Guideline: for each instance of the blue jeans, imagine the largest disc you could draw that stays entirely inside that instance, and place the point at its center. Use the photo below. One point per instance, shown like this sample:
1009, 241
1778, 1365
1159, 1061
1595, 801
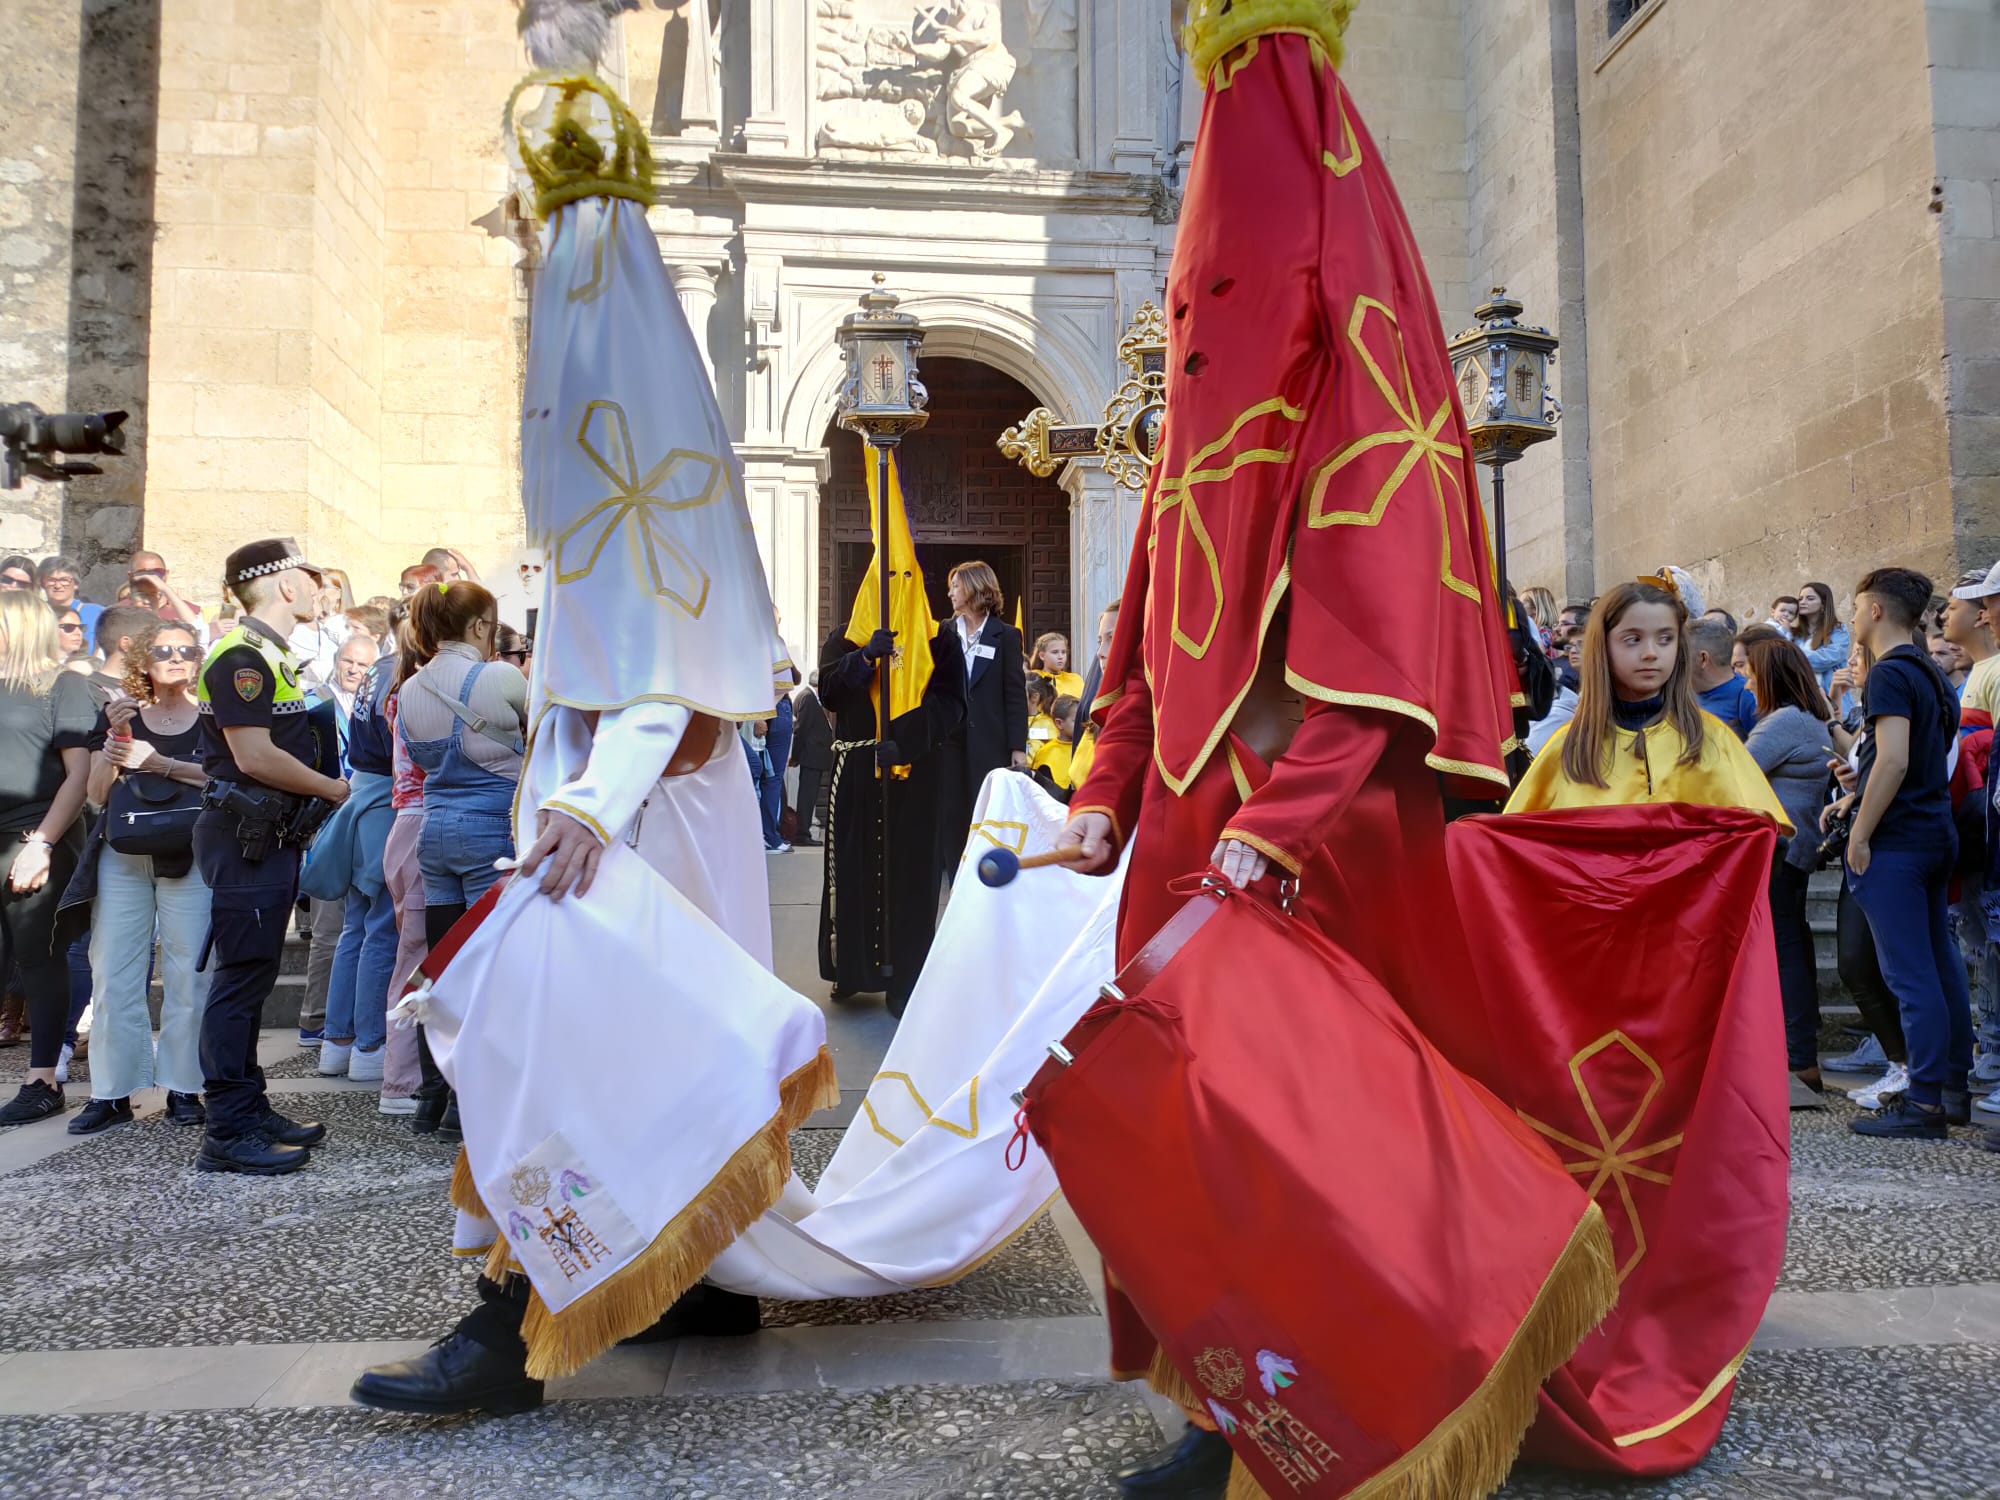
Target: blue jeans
357, 992
456, 850
1903, 896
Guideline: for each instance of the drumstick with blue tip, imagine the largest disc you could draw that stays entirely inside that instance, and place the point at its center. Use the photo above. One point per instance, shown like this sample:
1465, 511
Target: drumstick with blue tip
998, 867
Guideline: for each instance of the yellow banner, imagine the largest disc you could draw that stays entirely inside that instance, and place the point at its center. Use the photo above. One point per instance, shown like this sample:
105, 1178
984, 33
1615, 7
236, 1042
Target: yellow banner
909, 608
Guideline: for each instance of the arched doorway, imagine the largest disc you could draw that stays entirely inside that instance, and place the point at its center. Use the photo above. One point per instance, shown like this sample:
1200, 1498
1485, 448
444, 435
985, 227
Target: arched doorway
965, 501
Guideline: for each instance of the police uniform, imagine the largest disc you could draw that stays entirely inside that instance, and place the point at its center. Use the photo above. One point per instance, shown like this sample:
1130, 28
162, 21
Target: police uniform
249, 680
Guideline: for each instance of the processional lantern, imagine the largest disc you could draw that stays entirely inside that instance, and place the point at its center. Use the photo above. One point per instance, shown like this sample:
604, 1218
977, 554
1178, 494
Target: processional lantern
882, 399
1502, 369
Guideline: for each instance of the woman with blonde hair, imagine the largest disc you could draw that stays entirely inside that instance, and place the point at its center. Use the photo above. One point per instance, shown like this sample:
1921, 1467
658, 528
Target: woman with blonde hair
154, 750
46, 719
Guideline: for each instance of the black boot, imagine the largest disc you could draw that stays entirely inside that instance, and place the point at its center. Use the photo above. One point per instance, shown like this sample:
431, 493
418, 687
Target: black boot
255, 1154
430, 1109
448, 1129
185, 1109
1195, 1468
704, 1311
481, 1365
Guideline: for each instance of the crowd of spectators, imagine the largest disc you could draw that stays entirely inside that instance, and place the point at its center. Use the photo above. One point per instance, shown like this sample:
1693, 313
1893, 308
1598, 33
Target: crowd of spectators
101, 780
1874, 734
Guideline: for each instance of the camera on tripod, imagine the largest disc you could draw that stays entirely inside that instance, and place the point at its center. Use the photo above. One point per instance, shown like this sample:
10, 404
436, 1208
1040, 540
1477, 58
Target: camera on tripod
30, 439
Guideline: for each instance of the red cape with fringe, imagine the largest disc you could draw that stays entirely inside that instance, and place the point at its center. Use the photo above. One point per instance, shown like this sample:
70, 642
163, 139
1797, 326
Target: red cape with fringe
1631, 1014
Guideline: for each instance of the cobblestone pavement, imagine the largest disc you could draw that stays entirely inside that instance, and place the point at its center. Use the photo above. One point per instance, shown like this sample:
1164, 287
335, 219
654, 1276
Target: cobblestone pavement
168, 1336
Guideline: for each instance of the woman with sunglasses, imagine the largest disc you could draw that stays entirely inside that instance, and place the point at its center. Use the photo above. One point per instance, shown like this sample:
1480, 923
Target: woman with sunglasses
72, 643
16, 572
154, 735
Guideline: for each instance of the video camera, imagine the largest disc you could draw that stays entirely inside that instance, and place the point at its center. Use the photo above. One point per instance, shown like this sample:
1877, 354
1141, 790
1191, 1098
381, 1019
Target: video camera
30, 438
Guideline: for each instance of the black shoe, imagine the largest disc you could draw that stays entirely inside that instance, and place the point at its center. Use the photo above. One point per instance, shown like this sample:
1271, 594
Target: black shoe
1957, 1107
448, 1128
456, 1374
291, 1132
101, 1114
254, 1154
36, 1101
430, 1110
1195, 1468
1903, 1121
185, 1109
1990, 1140
706, 1312
805, 843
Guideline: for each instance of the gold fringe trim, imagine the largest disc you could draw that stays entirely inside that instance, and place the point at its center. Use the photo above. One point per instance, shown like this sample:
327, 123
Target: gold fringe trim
635, 1295
464, 1191
1169, 1382
1470, 1452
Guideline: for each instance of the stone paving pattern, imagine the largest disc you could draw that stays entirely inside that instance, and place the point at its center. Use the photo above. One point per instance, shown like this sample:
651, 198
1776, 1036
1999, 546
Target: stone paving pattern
130, 1252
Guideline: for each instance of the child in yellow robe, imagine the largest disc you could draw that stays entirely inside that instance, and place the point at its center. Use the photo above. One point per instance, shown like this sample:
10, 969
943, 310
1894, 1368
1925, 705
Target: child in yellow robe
1051, 658
1638, 734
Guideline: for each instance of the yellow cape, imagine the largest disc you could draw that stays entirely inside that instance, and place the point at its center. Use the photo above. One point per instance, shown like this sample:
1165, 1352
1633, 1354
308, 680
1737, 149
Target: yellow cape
1725, 776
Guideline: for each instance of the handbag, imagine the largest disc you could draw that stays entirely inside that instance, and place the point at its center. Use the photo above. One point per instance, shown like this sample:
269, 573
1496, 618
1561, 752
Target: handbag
151, 814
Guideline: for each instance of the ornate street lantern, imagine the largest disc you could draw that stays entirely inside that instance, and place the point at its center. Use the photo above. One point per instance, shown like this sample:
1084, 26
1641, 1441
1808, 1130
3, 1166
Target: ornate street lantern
1503, 383
882, 399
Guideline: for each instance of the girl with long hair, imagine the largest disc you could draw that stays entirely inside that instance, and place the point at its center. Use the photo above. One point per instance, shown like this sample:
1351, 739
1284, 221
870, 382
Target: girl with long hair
47, 717
1051, 658
1792, 744
1820, 634
1638, 735
155, 739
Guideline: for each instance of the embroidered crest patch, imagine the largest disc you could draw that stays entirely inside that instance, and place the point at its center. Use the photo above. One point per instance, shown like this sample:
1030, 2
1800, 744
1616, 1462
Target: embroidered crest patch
289, 673
249, 683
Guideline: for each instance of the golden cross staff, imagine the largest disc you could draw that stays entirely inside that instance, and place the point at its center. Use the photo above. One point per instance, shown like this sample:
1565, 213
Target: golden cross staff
1127, 437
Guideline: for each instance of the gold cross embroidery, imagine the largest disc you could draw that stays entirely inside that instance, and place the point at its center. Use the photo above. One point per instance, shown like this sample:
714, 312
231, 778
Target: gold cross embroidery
1421, 442
1613, 1159
697, 479
1172, 496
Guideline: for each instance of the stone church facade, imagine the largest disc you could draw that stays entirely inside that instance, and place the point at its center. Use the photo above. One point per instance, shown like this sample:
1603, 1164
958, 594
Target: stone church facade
279, 232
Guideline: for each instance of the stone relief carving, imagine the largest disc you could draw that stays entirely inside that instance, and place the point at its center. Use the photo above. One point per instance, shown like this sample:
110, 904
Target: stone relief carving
932, 78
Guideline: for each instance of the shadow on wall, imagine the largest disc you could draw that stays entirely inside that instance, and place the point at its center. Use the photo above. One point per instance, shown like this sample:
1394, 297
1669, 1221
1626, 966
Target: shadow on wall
111, 273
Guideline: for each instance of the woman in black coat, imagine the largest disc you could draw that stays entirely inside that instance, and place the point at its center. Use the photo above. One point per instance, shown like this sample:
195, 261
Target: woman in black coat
996, 705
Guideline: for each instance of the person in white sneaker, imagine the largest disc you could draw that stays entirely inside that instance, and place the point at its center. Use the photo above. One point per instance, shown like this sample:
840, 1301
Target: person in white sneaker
1885, 1090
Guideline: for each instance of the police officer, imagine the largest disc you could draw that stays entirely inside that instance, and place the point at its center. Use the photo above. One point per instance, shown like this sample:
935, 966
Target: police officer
264, 758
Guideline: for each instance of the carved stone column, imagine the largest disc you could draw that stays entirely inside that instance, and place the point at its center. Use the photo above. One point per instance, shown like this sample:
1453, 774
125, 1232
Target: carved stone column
1103, 520
781, 59
782, 486
694, 285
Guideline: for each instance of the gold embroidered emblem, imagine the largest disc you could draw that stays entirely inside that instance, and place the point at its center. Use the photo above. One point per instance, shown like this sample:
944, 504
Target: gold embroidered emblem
1300, 1455
571, 1244
1172, 498
1221, 1370
697, 479
1613, 1161
529, 1184
1422, 442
